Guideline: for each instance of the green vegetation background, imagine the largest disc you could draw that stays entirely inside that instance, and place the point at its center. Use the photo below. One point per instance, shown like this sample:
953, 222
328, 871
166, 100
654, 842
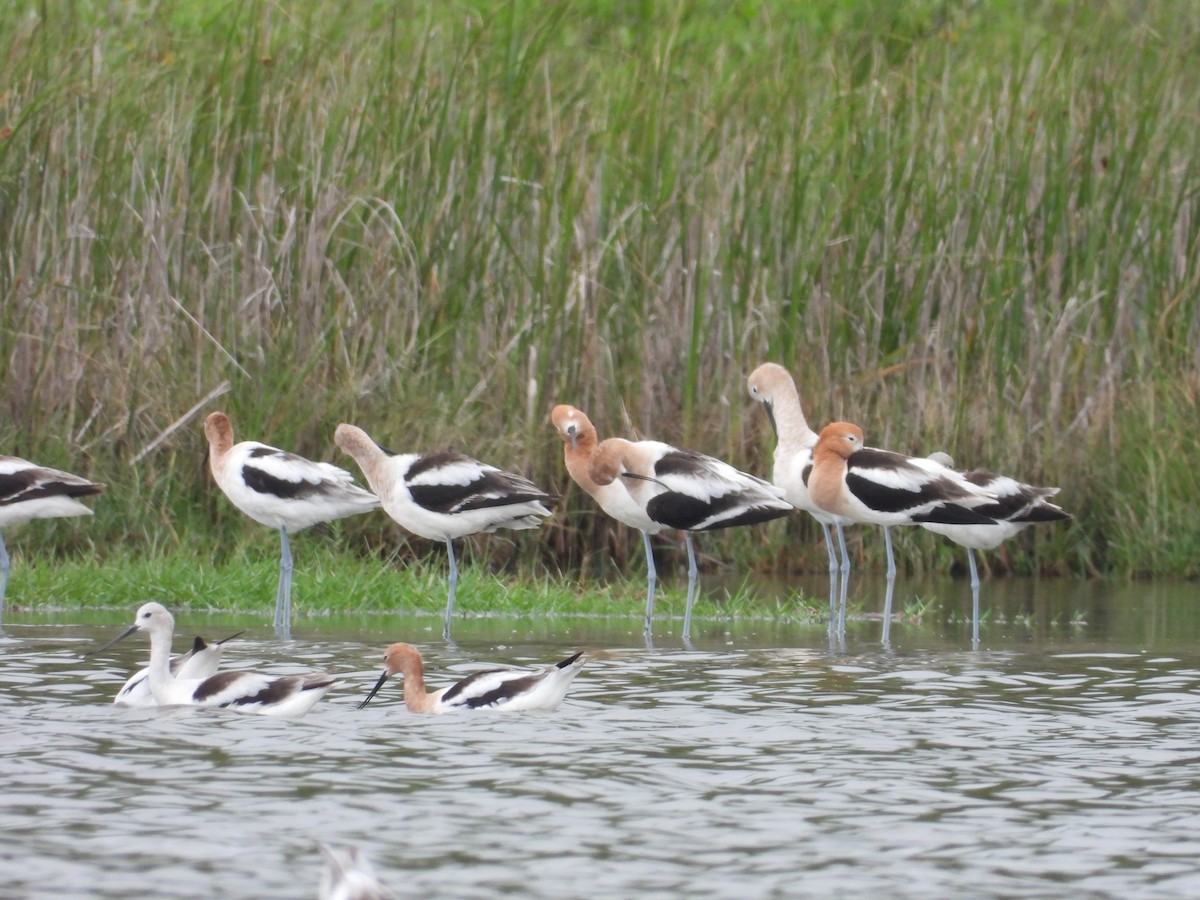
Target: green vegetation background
966, 226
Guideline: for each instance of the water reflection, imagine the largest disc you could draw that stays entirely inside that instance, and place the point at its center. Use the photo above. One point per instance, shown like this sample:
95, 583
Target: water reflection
1059, 758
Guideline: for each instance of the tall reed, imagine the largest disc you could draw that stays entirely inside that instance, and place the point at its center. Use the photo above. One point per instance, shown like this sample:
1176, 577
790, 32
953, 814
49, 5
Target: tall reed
968, 229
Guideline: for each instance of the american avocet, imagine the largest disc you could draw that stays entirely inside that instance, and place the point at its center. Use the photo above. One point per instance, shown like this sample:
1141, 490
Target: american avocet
1016, 507
773, 386
685, 490
199, 662
510, 690
579, 443
348, 876
281, 490
444, 495
29, 491
244, 691
879, 487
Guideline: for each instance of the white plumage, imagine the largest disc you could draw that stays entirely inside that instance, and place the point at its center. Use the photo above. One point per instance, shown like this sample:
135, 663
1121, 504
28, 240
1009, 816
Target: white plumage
28, 492
202, 660
509, 690
243, 691
685, 490
281, 490
1016, 507
444, 495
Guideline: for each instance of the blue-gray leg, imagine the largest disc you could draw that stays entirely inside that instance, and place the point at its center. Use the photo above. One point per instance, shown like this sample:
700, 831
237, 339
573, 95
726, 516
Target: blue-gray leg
283, 596
891, 586
841, 533
651, 581
453, 589
3, 576
693, 578
974, 599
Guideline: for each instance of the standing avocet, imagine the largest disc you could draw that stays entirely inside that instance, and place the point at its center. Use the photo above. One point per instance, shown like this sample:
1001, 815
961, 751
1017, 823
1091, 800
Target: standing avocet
243, 691
281, 490
1016, 507
29, 491
773, 386
579, 443
445, 495
879, 487
685, 490
199, 662
510, 690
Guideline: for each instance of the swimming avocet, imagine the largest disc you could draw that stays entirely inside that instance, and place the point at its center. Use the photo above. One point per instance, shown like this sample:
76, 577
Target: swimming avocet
281, 490
202, 660
243, 691
510, 690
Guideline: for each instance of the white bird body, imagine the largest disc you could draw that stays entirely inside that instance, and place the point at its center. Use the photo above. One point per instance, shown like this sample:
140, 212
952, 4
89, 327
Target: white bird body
684, 489
580, 441
445, 495
773, 386
281, 490
202, 660
243, 691
652, 486
880, 487
29, 491
349, 876
507, 690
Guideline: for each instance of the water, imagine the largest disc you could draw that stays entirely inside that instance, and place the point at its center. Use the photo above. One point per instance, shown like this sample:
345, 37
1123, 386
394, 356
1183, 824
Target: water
1061, 758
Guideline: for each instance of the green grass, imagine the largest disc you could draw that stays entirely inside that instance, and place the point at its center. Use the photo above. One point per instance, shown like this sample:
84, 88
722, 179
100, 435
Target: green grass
970, 227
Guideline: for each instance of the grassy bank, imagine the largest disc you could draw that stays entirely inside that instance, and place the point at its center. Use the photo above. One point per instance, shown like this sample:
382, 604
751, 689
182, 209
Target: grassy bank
964, 226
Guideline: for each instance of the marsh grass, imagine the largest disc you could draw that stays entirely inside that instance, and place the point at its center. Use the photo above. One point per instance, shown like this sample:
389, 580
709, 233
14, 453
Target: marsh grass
966, 228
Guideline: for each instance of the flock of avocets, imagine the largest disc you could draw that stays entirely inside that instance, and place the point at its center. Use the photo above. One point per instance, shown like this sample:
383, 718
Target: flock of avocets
648, 485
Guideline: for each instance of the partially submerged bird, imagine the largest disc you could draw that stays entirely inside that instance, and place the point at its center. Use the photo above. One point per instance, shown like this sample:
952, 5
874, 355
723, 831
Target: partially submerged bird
243, 691
348, 876
281, 490
29, 491
202, 660
445, 495
688, 491
510, 690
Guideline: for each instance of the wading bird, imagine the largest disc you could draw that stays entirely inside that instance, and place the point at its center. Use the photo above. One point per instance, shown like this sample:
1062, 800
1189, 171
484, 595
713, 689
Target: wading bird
688, 491
1016, 507
509, 690
773, 386
445, 495
29, 491
879, 487
281, 490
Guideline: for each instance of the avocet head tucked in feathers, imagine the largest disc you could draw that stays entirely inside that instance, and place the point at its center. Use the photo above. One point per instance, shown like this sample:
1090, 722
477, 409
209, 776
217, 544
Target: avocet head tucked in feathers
654, 486
252, 692
879, 487
199, 662
28, 492
281, 490
509, 690
445, 495
1016, 507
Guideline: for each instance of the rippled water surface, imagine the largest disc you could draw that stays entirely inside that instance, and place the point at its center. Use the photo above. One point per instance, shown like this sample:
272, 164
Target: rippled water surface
1060, 759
